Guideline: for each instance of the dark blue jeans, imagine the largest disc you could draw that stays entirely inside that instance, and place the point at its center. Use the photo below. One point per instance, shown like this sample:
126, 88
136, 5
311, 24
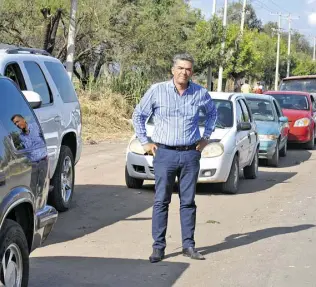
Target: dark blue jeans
185, 165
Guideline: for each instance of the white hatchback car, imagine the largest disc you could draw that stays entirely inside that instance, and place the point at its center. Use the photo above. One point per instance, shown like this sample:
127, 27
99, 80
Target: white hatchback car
233, 146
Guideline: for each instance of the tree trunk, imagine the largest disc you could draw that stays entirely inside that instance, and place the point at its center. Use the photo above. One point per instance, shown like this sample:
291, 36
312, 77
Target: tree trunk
237, 84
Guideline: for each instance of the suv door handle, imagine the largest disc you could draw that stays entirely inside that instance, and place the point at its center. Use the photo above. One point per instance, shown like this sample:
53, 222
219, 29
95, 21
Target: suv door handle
57, 119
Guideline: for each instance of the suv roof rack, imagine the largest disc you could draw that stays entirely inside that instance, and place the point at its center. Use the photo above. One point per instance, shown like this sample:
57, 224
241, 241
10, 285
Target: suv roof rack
10, 49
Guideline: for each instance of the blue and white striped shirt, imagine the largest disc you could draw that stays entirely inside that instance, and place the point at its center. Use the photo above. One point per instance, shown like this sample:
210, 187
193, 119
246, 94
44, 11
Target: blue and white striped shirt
175, 117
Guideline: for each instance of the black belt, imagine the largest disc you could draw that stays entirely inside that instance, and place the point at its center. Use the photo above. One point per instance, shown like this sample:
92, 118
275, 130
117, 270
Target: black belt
178, 148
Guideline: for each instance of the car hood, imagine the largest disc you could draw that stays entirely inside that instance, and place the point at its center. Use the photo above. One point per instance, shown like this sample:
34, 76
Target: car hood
294, 115
267, 127
218, 134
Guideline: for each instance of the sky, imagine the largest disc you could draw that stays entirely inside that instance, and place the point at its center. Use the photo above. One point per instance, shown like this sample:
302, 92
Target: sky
305, 9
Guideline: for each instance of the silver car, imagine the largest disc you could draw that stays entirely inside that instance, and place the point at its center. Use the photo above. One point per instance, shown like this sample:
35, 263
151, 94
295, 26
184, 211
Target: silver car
46, 85
234, 146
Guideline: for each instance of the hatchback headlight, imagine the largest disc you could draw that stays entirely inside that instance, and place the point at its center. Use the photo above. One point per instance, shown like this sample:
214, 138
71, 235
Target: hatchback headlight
268, 137
136, 147
304, 122
212, 150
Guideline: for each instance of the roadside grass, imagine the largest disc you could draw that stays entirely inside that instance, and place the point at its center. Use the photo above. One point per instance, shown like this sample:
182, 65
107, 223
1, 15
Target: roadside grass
105, 116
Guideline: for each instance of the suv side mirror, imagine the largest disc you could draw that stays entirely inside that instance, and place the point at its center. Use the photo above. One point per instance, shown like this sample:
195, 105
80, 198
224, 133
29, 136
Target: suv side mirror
244, 126
33, 98
283, 119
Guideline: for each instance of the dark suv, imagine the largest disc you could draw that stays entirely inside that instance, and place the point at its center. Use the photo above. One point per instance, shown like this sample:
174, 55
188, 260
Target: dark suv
25, 218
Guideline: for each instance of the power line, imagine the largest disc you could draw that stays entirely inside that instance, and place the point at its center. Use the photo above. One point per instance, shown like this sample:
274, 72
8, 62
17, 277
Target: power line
263, 5
279, 7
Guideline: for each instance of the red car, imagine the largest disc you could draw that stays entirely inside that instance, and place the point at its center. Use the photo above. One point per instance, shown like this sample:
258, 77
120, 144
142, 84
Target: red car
300, 108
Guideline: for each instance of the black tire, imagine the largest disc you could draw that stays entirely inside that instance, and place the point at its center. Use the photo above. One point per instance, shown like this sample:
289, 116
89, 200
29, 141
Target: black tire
311, 144
12, 234
274, 161
132, 182
56, 198
232, 183
251, 171
283, 151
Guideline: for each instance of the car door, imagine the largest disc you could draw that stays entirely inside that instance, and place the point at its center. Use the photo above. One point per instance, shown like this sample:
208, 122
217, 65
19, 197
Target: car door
242, 138
252, 134
48, 115
283, 126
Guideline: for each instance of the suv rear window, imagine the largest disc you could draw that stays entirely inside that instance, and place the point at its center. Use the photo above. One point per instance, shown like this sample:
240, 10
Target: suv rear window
62, 81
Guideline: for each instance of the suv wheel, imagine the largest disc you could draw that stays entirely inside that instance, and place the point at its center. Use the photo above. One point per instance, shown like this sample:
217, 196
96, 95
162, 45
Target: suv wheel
132, 182
251, 171
63, 180
14, 254
232, 183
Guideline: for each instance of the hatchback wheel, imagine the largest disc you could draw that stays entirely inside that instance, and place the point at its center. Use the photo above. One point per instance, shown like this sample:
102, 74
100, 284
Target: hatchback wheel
232, 183
310, 145
283, 151
132, 182
14, 255
63, 180
274, 161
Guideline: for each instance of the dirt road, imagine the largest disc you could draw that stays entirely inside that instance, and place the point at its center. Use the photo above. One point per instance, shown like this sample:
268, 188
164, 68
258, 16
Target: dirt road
263, 236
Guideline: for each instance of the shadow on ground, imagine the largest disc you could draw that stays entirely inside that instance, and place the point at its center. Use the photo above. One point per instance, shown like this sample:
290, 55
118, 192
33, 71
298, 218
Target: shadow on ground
264, 181
295, 156
93, 272
237, 240
97, 206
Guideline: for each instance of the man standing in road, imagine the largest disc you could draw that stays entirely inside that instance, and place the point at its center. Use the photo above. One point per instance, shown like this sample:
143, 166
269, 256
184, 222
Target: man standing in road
176, 145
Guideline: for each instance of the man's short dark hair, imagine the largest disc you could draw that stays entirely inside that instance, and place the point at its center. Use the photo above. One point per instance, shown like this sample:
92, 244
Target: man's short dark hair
183, 57
16, 115
246, 81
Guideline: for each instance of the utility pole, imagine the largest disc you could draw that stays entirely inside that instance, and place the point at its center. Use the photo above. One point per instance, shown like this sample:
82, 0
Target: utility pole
220, 73
278, 51
71, 38
209, 70
314, 52
243, 16
290, 18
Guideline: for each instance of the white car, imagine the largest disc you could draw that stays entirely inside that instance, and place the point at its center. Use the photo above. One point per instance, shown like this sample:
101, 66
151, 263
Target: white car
234, 145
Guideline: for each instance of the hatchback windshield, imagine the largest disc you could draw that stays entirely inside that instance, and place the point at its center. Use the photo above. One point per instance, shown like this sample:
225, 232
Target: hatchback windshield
303, 85
224, 114
292, 102
261, 110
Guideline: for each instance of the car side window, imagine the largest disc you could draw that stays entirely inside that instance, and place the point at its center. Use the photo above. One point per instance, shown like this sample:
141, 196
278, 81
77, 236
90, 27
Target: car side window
14, 72
62, 81
239, 113
19, 120
247, 117
313, 103
39, 82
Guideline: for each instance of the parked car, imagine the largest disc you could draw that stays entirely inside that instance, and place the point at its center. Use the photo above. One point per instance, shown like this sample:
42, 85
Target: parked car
57, 108
299, 83
300, 108
272, 127
25, 218
234, 145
